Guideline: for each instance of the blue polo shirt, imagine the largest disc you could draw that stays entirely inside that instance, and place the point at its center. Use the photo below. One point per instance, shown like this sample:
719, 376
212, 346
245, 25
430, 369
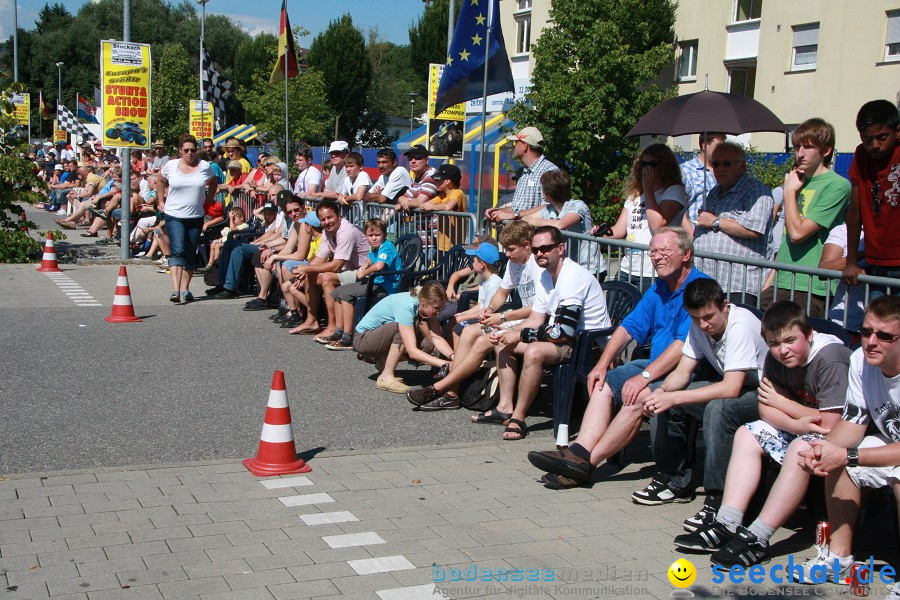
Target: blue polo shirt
661, 316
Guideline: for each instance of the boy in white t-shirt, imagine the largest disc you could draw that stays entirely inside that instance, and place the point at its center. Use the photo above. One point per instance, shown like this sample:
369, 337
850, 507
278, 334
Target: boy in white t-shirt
485, 262
357, 182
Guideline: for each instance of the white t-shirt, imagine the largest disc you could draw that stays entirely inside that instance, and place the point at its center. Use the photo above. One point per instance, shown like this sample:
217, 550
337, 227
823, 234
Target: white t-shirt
391, 185
350, 187
187, 191
336, 179
487, 289
872, 397
638, 228
309, 176
522, 278
575, 286
838, 237
741, 348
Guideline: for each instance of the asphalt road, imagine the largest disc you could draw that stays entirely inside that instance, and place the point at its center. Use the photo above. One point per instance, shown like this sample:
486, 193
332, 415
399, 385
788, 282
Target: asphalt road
188, 383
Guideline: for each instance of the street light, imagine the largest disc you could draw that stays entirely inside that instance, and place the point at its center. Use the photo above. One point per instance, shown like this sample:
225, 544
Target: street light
412, 108
59, 67
202, 4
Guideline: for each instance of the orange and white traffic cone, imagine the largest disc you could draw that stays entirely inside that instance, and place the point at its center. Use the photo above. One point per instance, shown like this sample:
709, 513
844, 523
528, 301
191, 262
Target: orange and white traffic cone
122, 310
277, 454
48, 261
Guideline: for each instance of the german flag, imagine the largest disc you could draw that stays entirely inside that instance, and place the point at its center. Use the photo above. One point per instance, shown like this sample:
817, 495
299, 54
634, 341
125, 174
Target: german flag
44, 112
286, 50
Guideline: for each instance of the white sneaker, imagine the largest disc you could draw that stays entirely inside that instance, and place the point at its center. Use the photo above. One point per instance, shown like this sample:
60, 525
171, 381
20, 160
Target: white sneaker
822, 559
163, 262
60, 212
893, 592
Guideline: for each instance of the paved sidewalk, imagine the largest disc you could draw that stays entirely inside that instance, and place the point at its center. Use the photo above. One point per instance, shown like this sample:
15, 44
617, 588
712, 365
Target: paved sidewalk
384, 524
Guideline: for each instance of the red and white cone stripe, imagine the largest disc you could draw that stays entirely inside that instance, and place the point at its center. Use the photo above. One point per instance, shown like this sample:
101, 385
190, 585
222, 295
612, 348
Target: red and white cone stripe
122, 310
277, 454
48, 260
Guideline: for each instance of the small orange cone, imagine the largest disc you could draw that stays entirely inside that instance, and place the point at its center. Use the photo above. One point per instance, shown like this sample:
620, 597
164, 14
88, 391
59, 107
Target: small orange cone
48, 261
122, 310
277, 454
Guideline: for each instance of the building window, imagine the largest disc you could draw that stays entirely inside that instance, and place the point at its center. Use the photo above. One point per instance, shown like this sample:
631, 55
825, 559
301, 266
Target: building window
523, 26
746, 10
741, 81
892, 39
687, 60
806, 47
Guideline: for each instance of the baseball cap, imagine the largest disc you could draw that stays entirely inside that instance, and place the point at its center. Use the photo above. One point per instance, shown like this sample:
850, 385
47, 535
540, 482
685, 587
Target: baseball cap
486, 252
311, 219
338, 146
529, 135
58, 167
447, 171
235, 164
417, 151
269, 206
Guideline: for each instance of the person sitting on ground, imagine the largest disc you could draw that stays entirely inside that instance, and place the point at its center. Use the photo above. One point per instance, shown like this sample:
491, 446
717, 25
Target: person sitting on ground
485, 262
655, 197
449, 198
308, 238
392, 182
661, 317
263, 263
383, 256
861, 450
91, 184
343, 249
397, 327
523, 275
568, 300
357, 182
800, 397
237, 221
565, 213
229, 274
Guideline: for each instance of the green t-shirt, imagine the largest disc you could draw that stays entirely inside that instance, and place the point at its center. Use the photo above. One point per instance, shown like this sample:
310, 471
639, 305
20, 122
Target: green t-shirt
824, 200
400, 308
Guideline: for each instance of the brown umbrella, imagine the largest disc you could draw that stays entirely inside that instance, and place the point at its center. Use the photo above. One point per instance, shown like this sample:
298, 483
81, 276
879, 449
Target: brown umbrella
707, 111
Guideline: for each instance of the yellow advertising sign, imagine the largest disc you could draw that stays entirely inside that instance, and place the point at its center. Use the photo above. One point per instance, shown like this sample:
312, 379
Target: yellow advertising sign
125, 79
200, 119
22, 113
60, 135
445, 131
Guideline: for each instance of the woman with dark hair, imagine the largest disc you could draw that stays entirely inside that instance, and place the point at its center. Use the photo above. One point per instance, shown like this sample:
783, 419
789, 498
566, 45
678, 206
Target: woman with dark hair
187, 184
654, 197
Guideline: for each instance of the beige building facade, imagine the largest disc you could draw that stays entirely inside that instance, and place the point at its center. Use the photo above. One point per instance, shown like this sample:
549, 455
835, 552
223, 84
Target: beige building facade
802, 59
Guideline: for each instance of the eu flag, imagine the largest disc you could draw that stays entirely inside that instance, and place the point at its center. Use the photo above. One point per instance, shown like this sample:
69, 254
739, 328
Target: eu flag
463, 77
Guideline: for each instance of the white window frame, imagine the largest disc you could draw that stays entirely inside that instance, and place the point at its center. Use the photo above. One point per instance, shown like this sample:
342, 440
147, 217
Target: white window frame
805, 42
892, 37
523, 27
753, 3
690, 49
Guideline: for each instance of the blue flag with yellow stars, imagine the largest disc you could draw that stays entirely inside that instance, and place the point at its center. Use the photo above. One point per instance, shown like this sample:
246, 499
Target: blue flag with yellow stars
463, 77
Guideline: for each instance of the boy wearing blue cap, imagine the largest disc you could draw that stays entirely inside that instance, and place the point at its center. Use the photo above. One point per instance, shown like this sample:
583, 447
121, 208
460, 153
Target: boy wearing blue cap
485, 262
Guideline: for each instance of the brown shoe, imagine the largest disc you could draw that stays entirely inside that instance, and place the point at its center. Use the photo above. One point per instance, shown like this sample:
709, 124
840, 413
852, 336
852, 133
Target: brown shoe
562, 462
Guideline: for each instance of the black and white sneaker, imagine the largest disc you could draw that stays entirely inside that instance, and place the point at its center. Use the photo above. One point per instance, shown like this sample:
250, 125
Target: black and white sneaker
708, 538
744, 549
444, 402
658, 492
705, 516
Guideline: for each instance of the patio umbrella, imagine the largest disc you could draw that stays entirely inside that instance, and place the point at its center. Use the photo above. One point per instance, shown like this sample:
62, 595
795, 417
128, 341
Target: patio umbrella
707, 111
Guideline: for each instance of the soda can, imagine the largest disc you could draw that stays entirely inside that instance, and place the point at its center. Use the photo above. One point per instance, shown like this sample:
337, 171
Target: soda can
823, 534
860, 572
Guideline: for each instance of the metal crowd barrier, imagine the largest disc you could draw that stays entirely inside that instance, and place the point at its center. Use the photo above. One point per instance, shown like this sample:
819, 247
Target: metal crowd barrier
354, 212
439, 230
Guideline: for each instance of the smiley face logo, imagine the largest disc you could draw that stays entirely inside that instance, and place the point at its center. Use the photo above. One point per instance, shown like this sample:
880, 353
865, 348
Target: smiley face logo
682, 573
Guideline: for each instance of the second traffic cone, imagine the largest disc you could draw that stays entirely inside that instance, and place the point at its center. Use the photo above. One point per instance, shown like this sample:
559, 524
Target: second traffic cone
48, 261
277, 454
122, 310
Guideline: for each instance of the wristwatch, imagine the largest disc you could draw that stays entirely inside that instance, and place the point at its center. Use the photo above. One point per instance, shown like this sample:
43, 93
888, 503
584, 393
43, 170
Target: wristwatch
517, 214
503, 316
852, 457
715, 225
646, 375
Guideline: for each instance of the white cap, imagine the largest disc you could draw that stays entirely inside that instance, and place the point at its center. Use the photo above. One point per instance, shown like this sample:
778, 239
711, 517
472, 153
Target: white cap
338, 146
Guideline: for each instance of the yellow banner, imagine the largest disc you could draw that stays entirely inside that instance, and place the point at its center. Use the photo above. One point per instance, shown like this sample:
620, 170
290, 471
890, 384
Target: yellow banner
125, 78
445, 131
454, 113
60, 135
200, 119
22, 113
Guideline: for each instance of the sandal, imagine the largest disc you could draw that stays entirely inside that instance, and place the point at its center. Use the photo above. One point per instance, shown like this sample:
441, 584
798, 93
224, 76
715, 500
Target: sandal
495, 418
521, 430
88, 235
325, 339
64, 224
302, 330
395, 385
558, 482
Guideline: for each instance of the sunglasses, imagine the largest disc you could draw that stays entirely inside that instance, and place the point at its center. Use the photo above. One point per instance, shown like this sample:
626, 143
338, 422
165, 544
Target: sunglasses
543, 249
188, 149
649, 163
723, 163
883, 336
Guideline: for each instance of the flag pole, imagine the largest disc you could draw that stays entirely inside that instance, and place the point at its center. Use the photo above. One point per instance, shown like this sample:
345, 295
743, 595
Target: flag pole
487, 49
287, 47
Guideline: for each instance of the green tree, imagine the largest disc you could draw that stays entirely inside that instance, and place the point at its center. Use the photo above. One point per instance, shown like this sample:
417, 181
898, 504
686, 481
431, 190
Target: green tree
392, 76
593, 79
172, 88
428, 40
339, 53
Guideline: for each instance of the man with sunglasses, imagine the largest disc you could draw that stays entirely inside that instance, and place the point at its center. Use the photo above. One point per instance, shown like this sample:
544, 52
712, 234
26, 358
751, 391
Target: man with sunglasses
736, 220
875, 195
863, 449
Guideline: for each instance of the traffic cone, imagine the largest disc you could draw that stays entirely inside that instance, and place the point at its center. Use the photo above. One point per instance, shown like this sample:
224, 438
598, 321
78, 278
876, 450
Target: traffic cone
122, 310
48, 261
277, 454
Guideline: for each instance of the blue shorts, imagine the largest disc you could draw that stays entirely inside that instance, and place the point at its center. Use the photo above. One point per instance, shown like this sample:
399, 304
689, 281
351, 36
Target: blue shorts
290, 265
618, 376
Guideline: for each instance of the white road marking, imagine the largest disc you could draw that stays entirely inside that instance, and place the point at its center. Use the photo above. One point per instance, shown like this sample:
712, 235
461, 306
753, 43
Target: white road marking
73, 290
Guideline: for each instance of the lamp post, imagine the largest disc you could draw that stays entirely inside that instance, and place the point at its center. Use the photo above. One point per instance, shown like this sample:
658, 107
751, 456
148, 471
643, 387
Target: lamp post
202, 4
59, 67
412, 109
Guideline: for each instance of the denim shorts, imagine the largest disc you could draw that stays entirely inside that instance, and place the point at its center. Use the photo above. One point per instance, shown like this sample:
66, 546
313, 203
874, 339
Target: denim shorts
290, 265
618, 376
184, 235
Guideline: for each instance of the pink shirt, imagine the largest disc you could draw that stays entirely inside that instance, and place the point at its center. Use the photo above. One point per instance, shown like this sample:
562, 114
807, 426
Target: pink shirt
351, 246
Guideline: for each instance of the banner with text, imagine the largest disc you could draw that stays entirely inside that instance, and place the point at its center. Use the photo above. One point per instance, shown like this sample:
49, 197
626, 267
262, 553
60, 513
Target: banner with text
59, 135
125, 78
444, 132
22, 114
200, 119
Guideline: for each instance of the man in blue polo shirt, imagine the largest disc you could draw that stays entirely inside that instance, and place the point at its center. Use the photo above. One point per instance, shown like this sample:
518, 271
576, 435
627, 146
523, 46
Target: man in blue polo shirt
659, 316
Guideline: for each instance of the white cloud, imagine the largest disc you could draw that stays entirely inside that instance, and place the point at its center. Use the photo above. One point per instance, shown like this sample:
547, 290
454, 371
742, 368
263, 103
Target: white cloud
6, 18
250, 24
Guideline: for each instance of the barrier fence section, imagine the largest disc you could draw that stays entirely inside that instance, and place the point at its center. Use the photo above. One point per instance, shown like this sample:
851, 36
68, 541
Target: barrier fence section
439, 230
353, 211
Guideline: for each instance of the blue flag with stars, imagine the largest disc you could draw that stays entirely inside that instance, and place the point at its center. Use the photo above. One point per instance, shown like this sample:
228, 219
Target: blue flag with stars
463, 77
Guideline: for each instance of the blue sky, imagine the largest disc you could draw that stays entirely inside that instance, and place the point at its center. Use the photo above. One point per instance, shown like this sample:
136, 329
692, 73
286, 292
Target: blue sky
392, 18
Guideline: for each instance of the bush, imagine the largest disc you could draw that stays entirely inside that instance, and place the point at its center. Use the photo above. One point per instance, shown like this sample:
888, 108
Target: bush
17, 246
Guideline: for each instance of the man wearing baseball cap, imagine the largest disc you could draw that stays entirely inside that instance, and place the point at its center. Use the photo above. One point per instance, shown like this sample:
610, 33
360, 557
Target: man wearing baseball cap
337, 152
423, 187
529, 149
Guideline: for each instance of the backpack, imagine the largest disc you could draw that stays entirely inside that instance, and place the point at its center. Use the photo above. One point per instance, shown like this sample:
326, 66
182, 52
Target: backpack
480, 391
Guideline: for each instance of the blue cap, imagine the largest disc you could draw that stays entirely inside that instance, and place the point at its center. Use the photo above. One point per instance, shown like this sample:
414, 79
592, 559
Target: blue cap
311, 219
486, 252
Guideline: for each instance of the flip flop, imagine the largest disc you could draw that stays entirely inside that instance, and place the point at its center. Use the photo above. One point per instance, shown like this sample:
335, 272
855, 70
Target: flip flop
302, 331
495, 418
520, 430
325, 339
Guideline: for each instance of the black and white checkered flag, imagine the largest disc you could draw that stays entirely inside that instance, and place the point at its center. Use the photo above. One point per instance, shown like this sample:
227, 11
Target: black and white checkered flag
217, 87
67, 122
